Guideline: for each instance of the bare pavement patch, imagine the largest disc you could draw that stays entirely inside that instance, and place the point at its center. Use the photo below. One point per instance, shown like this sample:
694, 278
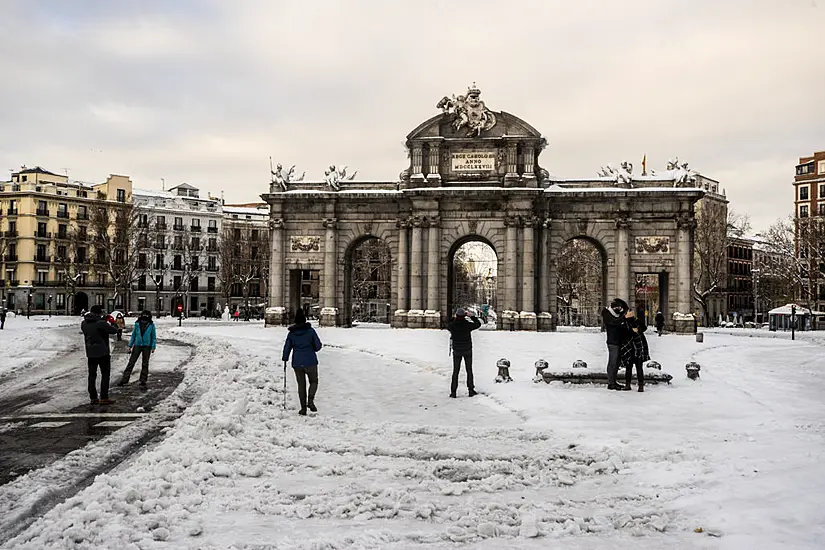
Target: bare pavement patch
49, 440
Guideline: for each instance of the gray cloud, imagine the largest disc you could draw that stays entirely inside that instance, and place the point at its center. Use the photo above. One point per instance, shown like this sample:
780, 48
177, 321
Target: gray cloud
205, 92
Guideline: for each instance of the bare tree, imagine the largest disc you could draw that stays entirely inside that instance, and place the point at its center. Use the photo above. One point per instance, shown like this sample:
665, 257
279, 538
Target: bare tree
579, 267
226, 259
151, 243
792, 261
716, 228
68, 265
371, 272
115, 239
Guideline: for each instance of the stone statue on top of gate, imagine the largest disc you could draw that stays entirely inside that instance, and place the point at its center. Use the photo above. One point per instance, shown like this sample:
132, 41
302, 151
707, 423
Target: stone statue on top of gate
334, 176
283, 180
469, 111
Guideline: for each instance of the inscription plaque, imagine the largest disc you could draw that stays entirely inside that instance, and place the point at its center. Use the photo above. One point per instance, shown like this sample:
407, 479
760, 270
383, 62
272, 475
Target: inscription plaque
473, 161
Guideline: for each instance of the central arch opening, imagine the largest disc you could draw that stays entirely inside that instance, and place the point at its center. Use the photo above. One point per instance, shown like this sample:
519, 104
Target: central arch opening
368, 284
581, 291
473, 266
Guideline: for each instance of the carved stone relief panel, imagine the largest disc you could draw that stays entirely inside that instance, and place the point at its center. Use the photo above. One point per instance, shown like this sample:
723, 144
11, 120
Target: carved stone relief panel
652, 245
305, 244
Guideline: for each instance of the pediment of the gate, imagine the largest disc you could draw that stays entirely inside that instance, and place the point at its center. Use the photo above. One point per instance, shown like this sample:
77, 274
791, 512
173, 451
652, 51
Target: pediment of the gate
469, 144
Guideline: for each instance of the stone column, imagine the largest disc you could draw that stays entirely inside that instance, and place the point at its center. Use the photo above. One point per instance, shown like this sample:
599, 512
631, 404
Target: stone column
400, 315
528, 273
623, 260
434, 174
329, 313
510, 313
415, 317
432, 317
682, 318
512, 164
277, 315
417, 169
544, 321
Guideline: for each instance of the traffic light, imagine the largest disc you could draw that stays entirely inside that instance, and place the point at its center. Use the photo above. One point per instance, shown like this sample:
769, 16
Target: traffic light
180, 309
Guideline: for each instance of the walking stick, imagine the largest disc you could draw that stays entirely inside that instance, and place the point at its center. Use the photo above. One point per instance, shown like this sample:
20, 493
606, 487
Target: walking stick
284, 385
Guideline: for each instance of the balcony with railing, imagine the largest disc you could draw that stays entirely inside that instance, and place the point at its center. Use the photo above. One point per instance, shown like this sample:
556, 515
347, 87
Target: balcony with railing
42, 212
161, 246
177, 227
82, 216
42, 235
211, 229
12, 212
64, 214
10, 258
42, 259
195, 228
212, 268
10, 234
160, 226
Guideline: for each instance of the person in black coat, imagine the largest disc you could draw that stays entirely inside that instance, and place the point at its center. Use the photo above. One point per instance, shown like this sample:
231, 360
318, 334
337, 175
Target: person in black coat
2, 317
461, 343
303, 343
635, 351
659, 320
617, 334
96, 330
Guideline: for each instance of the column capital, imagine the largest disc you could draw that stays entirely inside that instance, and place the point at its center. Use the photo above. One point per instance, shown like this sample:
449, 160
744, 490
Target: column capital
330, 223
276, 223
547, 223
417, 221
684, 221
403, 222
512, 221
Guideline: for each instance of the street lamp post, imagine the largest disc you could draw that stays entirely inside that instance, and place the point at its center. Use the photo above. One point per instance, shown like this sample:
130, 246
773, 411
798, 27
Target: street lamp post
793, 322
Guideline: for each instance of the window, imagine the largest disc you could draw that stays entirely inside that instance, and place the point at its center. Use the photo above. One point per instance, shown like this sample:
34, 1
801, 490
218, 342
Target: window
212, 263
193, 284
159, 261
178, 224
121, 195
161, 222
82, 213
803, 211
142, 261
41, 253
61, 301
101, 279
83, 232
141, 282
821, 209
820, 167
99, 299
196, 243
81, 255
61, 231
41, 230
177, 263
803, 193
210, 284
61, 253
178, 242
62, 210
41, 277
176, 282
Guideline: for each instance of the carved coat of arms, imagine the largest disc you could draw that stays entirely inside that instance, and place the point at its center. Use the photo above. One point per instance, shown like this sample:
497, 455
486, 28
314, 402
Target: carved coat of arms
468, 111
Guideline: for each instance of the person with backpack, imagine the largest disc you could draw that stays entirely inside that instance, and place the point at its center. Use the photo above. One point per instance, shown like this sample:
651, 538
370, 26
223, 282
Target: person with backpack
634, 351
461, 344
142, 343
303, 343
96, 330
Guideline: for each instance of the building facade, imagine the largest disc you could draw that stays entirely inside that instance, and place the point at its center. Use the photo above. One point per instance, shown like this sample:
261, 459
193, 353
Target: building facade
739, 291
48, 259
809, 216
178, 259
474, 175
245, 254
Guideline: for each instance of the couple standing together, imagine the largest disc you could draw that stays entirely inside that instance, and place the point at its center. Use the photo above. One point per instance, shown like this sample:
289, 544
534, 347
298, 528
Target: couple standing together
626, 345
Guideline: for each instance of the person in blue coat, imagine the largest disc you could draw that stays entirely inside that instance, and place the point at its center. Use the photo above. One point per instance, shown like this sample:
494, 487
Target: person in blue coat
143, 342
303, 342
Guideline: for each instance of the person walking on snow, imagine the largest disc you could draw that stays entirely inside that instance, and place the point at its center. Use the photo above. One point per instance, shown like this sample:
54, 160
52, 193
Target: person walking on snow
634, 351
2, 317
96, 330
143, 343
659, 321
617, 333
120, 322
237, 315
461, 343
303, 342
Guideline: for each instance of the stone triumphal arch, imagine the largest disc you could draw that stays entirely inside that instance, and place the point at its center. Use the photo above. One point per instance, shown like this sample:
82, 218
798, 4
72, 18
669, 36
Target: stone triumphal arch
474, 174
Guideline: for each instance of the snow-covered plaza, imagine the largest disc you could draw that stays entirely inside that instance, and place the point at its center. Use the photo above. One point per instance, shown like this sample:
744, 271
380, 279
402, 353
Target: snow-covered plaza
732, 460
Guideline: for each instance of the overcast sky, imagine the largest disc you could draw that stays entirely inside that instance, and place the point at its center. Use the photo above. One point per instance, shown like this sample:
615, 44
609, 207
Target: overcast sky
205, 92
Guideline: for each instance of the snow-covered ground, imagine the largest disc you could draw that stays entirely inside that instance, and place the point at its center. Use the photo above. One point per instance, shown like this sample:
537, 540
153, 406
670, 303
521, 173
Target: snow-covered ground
391, 462
31, 342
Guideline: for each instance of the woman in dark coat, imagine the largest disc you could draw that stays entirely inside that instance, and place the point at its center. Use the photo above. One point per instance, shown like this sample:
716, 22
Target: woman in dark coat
303, 342
635, 351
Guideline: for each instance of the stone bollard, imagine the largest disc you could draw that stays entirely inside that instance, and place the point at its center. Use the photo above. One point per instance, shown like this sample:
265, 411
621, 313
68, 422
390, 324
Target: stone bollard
693, 369
700, 337
579, 364
541, 364
503, 370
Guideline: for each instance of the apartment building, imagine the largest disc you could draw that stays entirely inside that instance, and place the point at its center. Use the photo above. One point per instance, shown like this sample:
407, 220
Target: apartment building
48, 261
809, 217
178, 259
246, 238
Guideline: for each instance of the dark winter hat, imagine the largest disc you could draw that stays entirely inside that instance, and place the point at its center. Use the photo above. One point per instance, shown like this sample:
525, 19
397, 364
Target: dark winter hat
300, 317
460, 312
97, 310
146, 313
